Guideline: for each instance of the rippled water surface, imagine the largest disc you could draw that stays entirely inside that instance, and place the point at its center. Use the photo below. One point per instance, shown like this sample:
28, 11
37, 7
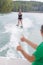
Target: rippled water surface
10, 34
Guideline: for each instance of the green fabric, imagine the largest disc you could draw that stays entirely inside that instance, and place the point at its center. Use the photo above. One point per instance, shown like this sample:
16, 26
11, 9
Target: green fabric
38, 54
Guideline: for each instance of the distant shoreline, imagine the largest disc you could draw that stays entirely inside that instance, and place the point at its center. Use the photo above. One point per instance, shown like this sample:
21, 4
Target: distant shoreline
30, 11
22, 12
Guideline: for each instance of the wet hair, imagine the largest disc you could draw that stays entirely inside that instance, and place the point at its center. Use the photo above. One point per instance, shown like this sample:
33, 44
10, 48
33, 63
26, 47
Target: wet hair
42, 28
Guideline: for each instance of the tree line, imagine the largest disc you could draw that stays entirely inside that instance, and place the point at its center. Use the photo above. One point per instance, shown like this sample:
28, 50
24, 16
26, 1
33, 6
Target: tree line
28, 6
7, 6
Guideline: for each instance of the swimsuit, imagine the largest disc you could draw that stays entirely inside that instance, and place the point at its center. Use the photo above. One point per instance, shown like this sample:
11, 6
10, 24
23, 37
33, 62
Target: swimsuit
20, 16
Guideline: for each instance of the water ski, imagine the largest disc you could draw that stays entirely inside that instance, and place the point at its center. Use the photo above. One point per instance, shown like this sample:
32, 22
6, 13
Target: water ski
19, 26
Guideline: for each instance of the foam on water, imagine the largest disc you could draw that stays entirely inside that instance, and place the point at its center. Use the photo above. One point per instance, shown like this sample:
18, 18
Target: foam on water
16, 33
29, 21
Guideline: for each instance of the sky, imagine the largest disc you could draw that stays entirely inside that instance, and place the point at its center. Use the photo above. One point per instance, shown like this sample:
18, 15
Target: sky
30, 0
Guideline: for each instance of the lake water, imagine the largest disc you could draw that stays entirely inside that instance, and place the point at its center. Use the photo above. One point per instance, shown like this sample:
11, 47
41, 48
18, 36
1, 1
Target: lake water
10, 34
